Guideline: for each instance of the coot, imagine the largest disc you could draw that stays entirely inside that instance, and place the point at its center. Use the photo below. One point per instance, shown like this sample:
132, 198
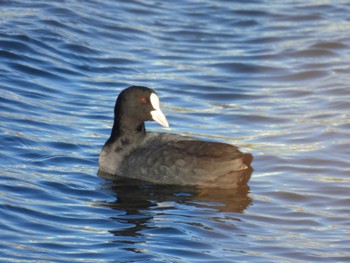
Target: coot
165, 158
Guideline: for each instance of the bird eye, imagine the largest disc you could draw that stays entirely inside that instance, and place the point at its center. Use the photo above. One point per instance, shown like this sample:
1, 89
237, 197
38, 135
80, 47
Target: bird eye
143, 100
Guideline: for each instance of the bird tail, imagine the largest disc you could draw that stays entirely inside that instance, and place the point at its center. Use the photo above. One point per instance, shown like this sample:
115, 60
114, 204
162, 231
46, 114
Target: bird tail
247, 159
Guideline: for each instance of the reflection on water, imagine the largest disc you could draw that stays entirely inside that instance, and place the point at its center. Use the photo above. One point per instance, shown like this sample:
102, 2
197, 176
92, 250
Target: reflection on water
130, 193
166, 218
269, 77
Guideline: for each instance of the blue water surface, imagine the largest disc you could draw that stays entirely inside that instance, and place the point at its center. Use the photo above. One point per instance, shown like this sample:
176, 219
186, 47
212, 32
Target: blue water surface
271, 77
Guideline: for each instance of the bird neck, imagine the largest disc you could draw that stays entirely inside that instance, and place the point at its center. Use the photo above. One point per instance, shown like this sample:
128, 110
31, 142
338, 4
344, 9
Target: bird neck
126, 128
124, 138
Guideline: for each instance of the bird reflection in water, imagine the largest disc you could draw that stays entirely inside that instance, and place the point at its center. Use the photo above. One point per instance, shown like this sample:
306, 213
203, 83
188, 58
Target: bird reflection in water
139, 202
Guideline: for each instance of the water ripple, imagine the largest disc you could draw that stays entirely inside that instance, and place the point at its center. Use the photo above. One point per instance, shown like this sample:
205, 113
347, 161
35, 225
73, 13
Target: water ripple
271, 78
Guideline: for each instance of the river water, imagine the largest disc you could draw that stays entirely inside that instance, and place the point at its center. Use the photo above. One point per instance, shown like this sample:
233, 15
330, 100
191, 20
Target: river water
271, 77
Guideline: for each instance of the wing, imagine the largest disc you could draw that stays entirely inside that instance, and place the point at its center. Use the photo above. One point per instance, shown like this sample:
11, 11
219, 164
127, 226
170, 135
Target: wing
182, 160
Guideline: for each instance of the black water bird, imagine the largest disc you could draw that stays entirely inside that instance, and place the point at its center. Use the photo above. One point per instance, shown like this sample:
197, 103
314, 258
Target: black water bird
164, 158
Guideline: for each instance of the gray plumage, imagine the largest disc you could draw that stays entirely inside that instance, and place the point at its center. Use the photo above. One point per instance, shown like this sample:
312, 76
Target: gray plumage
167, 158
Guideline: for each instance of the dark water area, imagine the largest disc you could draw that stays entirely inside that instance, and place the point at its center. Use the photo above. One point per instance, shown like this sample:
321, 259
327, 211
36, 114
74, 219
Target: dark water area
271, 77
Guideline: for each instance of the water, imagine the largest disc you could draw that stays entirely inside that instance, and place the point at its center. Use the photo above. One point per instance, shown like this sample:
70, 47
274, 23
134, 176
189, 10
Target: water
270, 77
